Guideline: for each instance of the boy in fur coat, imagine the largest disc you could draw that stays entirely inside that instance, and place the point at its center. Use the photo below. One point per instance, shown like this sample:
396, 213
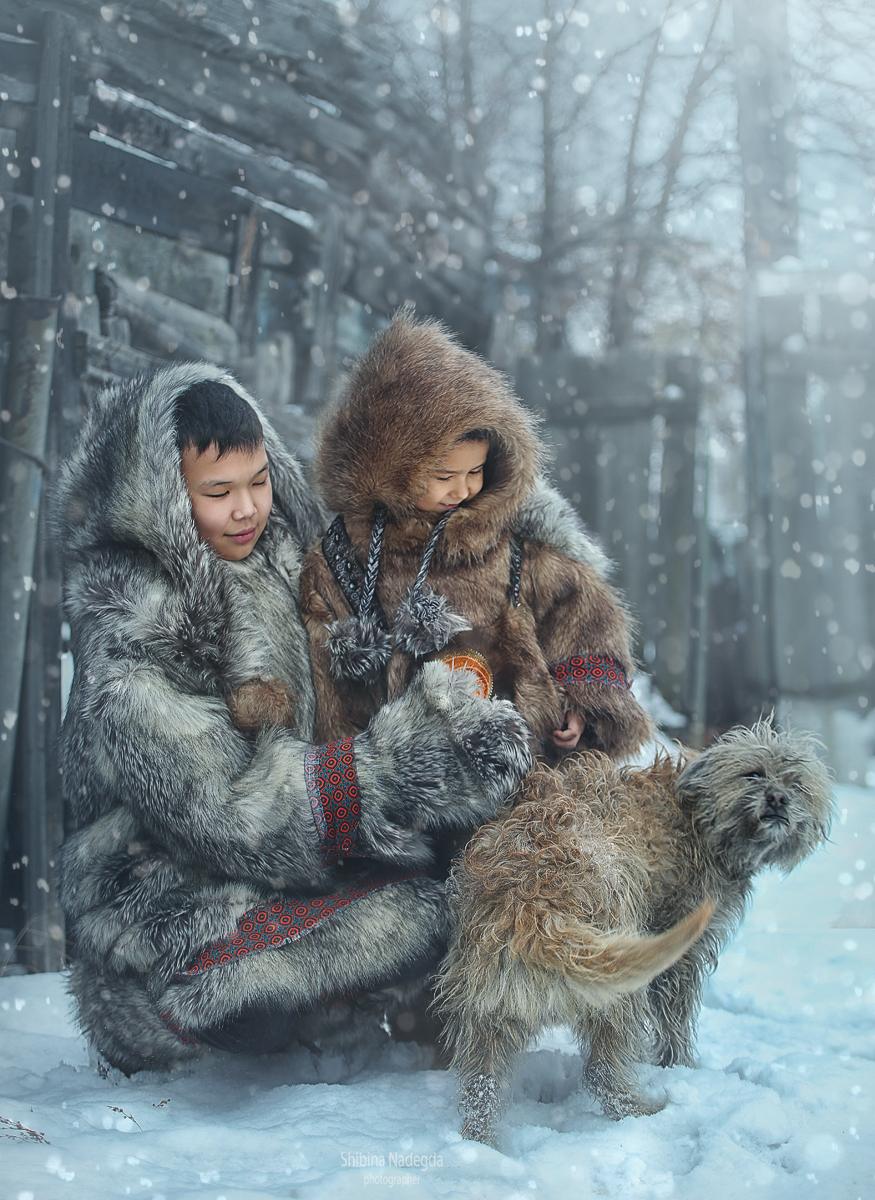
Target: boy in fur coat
225, 888
429, 458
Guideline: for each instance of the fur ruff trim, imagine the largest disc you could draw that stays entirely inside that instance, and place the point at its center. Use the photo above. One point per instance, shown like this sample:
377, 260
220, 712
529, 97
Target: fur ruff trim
548, 517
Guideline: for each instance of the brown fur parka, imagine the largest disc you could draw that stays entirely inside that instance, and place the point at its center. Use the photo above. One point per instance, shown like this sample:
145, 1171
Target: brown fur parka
409, 400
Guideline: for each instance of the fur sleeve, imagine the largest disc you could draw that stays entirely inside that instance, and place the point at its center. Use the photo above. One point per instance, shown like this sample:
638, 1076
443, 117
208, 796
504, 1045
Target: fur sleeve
218, 800
578, 614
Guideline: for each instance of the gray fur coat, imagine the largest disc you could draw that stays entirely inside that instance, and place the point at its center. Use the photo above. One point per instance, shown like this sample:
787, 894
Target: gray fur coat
184, 822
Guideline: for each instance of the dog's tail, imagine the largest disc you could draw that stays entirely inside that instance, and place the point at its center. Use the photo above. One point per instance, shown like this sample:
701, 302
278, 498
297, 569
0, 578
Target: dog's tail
608, 965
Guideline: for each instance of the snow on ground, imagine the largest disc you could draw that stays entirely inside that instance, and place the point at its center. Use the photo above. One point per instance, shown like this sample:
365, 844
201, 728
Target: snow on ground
780, 1107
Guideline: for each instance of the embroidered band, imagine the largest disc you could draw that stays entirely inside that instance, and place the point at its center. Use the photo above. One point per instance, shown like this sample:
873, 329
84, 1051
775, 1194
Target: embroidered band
183, 1035
590, 668
332, 787
272, 925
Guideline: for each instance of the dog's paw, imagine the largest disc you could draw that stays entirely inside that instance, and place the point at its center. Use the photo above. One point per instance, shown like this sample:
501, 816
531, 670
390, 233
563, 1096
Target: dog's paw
479, 1109
618, 1107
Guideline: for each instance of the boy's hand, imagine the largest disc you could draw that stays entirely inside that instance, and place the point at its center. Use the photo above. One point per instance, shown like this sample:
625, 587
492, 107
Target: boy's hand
568, 736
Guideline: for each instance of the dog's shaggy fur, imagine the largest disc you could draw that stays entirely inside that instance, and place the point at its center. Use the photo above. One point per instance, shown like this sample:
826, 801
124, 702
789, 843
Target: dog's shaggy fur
602, 900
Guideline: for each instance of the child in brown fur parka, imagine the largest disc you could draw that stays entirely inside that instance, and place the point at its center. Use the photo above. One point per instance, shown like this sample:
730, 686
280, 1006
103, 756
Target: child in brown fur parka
429, 459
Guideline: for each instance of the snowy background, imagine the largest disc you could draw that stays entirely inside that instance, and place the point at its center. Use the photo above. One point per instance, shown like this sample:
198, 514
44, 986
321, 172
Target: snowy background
781, 1105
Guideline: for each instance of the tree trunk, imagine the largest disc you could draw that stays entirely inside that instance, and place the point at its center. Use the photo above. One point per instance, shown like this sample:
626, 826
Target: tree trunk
766, 107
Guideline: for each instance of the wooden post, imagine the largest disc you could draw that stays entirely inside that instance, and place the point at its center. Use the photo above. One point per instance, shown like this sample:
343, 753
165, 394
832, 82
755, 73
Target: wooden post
38, 394
327, 291
243, 283
21, 476
700, 624
7, 188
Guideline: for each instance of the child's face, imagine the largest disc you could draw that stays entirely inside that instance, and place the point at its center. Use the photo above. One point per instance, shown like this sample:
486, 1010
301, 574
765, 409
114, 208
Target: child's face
458, 478
231, 497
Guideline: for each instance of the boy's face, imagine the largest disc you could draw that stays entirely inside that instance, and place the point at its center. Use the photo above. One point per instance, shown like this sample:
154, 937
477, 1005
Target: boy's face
458, 478
231, 497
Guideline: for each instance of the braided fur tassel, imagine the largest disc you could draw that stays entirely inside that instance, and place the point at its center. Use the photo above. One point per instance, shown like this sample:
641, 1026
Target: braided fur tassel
425, 622
359, 649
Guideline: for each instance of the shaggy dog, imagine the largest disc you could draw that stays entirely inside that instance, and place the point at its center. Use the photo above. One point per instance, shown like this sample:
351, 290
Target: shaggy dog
603, 898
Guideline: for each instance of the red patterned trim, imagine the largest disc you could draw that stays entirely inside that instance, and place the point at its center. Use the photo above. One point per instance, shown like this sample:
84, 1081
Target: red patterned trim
332, 787
590, 668
273, 925
182, 1035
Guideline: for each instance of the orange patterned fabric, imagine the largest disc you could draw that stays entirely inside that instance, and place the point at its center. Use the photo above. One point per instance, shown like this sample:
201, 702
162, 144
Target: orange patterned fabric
471, 660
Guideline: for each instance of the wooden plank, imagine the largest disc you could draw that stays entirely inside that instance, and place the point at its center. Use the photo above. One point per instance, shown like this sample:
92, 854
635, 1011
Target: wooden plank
19, 63
344, 100
7, 149
327, 286
38, 800
16, 90
21, 470
52, 179
41, 427
822, 550
163, 326
113, 183
677, 558
449, 284
269, 114
195, 151
100, 358
243, 280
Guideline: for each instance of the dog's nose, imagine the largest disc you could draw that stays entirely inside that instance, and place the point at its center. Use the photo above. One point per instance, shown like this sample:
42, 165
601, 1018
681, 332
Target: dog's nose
776, 802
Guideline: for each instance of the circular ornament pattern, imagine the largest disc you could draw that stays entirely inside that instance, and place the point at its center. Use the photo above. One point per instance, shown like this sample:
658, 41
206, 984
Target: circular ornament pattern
471, 660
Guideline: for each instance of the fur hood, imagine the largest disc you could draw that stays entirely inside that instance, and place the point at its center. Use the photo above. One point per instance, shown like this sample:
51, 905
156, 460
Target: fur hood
409, 399
122, 486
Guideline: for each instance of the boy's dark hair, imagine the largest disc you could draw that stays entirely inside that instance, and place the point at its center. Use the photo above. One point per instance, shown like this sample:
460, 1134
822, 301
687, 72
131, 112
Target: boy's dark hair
213, 412
476, 435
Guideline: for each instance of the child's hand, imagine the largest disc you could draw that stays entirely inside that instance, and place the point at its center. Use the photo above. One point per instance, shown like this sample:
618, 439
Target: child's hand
568, 736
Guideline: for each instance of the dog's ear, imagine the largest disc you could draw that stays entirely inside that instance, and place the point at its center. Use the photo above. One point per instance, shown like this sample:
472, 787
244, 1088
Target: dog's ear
691, 782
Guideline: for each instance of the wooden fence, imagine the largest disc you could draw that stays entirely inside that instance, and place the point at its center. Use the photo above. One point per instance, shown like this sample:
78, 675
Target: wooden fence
628, 453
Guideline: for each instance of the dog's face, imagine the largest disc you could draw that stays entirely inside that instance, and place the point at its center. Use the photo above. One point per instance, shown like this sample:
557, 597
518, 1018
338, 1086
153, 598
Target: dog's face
759, 798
